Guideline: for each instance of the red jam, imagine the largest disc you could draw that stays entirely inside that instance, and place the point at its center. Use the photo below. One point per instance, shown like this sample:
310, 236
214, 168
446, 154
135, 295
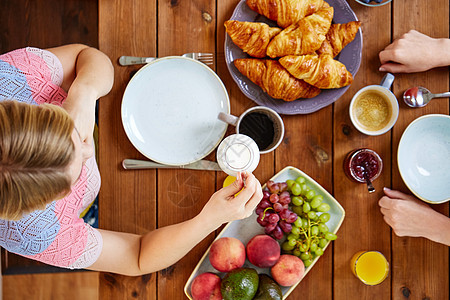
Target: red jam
363, 164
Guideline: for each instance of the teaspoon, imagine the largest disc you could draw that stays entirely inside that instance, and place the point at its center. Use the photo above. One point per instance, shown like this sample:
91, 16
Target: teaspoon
420, 96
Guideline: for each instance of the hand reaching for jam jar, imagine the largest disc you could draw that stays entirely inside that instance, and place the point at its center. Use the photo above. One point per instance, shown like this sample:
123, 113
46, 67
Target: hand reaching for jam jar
408, 216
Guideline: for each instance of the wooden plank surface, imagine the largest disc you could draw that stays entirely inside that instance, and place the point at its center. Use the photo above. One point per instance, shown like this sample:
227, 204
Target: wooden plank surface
128, 199
409, 254
363, 227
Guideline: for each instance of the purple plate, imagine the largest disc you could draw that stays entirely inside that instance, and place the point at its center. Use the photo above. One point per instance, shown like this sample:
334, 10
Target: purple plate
350, 56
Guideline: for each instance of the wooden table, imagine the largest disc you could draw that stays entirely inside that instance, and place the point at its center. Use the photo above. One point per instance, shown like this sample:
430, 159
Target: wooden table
140, 201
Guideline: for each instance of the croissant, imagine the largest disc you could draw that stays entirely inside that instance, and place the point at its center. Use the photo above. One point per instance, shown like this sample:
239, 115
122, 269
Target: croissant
285, 12
339, 36
274, 79
303, 37
321, 71
251, 37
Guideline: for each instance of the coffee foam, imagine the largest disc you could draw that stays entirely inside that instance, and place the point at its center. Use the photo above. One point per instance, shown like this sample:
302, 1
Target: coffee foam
372, 110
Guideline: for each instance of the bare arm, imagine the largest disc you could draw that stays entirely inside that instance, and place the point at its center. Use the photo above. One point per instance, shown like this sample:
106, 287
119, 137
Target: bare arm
415, 52
131, 254
88, 75
409, 216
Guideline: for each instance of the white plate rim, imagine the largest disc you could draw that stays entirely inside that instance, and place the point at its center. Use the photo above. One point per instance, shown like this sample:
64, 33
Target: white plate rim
398, 156
159, 60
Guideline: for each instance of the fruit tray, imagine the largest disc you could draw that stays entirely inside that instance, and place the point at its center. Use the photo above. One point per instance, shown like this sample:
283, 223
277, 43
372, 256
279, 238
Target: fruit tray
245, 229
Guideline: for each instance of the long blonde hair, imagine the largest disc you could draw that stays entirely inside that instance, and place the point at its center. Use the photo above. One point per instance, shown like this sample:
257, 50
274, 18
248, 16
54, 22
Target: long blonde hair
36, 148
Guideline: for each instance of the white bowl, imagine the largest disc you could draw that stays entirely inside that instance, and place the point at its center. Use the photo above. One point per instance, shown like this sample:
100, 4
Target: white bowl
424, 158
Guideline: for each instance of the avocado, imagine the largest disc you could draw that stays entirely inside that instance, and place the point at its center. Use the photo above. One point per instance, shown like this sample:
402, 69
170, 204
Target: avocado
240, 284
268, 289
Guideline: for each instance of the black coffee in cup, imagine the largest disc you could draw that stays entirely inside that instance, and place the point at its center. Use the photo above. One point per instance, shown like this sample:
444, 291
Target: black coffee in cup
259, 127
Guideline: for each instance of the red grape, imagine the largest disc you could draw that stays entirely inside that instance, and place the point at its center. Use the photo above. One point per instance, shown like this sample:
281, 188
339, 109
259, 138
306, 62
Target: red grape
264, 204
270, 227
278, 207
283, 186
266, 195
259, 210
285, 226
274, 198
277, 233
273, 218
292, 217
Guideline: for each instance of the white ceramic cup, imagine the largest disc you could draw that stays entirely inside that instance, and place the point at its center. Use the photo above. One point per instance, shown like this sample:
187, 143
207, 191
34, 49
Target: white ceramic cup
278, 125
238, 153
391, 100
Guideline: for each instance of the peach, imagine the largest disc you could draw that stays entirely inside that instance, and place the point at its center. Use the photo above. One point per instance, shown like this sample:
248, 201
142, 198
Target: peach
227, 254
206, 286
263, 251
288, 270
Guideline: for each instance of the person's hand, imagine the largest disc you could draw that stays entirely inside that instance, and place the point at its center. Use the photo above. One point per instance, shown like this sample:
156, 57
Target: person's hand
224, 206
414, 52
408, 216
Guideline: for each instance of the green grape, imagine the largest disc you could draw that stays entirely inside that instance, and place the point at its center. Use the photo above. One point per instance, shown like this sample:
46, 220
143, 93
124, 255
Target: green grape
305, 223
323, 207
312, 215
313, 247
325, 217
316, 201
305, 188
323, 243
297, 201
290, 182
314, 230
296, 189
295, 230
307, 262
286, 247
303, 247
298, 222
304, 256
318, 252
300, 180
292, 242
296, 252
330, 236
292, 236
298, 210
310, 194
323, 228
306, 207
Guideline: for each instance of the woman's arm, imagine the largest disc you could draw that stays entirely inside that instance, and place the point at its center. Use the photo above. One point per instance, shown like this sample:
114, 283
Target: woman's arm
409, 216
133, 255
415, 52
88, 75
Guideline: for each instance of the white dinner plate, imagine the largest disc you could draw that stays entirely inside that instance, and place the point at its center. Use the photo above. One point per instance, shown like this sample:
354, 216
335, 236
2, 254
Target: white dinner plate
424, 157
170, 109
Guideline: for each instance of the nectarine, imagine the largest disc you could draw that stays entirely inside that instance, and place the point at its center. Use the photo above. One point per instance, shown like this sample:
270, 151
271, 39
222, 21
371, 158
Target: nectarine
227, 254
263, 251
288, 270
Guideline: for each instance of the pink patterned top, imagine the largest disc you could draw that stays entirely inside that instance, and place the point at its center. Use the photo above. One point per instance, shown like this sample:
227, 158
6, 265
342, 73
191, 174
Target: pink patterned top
56, 235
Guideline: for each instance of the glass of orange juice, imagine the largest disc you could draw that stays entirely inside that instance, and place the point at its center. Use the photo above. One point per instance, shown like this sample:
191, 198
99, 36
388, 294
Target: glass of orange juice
371, 267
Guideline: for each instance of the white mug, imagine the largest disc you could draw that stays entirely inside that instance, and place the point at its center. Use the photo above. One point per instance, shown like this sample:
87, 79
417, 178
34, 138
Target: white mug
262, 124
374, 108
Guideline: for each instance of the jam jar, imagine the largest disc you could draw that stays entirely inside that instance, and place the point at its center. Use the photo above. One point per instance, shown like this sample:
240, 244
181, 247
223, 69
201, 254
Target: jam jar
362, 164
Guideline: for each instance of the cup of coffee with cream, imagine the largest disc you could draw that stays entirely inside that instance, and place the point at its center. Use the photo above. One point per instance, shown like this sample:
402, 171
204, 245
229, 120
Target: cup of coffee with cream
374, 108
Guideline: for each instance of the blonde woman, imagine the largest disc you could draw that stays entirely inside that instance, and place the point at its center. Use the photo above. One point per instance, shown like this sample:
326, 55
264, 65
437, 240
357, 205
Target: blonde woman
48, 174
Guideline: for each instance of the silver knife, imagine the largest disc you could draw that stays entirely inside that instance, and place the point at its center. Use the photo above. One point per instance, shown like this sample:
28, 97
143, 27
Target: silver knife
130, 164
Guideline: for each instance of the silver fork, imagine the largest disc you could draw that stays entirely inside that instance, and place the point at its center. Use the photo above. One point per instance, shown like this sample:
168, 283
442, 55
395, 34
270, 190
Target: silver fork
206, 58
